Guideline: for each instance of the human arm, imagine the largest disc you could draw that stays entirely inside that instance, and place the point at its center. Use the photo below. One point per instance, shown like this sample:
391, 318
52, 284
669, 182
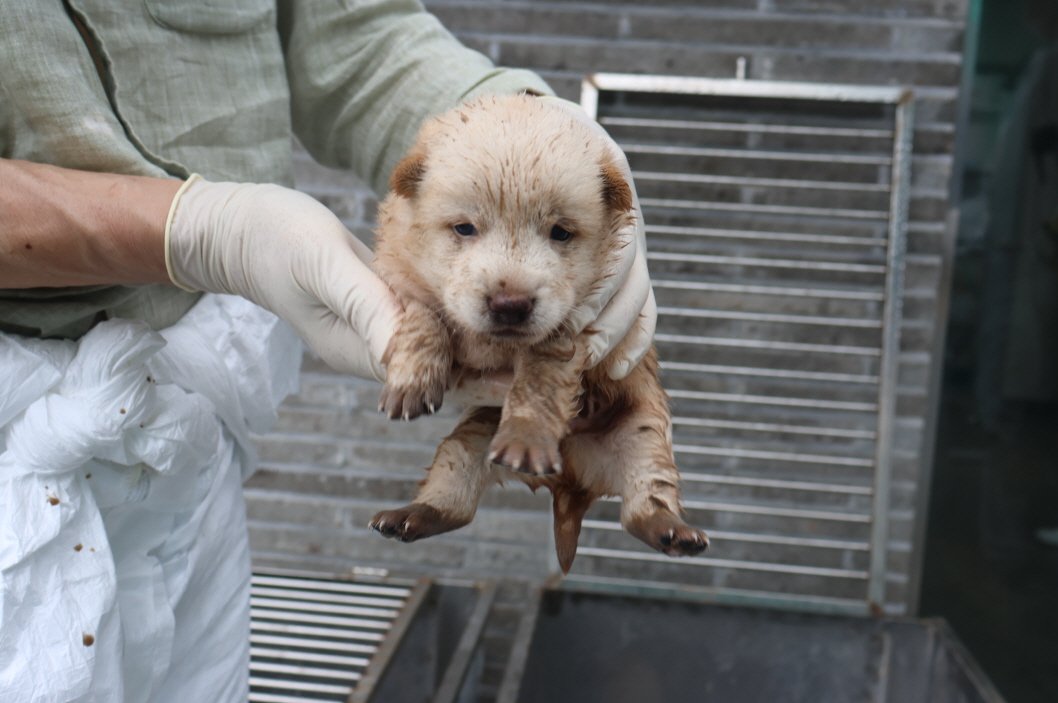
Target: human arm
62, 227
365, 75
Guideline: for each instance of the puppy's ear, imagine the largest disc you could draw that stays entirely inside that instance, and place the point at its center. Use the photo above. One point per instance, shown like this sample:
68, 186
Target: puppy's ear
615, 190
408, 174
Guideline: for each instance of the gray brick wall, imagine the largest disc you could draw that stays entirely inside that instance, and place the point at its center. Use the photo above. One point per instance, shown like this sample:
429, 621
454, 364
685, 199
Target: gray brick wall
332, 461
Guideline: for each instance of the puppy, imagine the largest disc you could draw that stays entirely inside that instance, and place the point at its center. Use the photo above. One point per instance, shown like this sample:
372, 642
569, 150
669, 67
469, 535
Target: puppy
504, 216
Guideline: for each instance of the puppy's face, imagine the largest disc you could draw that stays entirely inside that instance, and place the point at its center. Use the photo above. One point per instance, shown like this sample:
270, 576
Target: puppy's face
513, 208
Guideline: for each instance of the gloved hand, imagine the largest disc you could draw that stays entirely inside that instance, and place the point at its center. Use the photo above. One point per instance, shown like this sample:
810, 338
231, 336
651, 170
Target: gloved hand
288, 253
627, 295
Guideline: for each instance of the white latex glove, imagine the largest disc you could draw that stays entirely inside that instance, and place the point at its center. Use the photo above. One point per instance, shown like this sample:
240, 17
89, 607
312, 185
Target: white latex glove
626, 295
289, 254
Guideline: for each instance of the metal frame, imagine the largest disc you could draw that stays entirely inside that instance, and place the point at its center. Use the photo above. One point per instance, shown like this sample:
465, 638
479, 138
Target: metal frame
894, 284
899, 187
734, 87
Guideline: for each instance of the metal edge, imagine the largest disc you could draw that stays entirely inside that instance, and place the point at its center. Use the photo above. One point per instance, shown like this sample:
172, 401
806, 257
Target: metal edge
988, 690
589, 97
350, 577
900, 187
461, 658
377, 666
714, 596
510, 684
738, 87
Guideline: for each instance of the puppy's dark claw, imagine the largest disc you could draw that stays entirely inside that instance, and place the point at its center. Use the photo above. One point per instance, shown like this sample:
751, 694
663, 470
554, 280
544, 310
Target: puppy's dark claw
683, 540
412, 522
668, 533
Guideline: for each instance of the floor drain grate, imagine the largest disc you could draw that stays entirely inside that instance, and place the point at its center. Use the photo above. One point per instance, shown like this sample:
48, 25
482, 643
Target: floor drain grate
311, 639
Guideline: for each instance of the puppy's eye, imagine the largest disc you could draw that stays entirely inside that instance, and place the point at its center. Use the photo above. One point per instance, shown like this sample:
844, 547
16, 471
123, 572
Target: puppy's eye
465, 229
560, 235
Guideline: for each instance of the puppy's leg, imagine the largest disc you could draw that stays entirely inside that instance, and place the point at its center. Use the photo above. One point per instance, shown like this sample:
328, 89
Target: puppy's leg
650, 499
448, 496
631, 456
418, 365
538, 407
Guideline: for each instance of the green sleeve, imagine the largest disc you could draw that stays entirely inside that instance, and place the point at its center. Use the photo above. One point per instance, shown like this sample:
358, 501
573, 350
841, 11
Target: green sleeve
364, 74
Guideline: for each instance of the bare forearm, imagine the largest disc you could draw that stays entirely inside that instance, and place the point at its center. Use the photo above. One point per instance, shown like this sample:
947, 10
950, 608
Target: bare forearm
60, 227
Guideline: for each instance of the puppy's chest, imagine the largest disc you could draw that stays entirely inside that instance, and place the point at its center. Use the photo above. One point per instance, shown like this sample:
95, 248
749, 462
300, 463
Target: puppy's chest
477, 352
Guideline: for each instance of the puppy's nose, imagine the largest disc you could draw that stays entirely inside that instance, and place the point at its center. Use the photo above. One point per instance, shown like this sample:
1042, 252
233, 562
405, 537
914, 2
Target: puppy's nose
510, 309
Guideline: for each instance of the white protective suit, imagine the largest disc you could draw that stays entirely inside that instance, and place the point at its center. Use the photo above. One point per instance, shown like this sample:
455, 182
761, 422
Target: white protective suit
124, 560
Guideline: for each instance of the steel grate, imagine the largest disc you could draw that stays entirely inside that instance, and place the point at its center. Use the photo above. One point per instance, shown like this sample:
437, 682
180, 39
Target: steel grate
312, 639
776, 217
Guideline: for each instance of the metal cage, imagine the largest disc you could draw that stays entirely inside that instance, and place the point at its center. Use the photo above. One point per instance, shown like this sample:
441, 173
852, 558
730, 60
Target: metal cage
776, 217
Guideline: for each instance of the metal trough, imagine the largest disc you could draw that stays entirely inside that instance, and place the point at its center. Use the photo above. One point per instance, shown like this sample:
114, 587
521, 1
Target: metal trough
594, 648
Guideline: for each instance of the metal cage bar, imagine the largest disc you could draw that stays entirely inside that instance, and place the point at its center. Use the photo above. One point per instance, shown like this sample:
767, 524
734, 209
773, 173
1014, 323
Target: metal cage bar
894, 283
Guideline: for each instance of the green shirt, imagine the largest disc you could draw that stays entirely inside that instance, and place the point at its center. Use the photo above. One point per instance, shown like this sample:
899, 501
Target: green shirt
217, 87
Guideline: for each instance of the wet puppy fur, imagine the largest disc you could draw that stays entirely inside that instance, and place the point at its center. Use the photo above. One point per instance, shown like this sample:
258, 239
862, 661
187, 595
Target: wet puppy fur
505, 216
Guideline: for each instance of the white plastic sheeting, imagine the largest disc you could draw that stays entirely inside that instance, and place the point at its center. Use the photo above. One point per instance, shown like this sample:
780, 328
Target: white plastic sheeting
124, 563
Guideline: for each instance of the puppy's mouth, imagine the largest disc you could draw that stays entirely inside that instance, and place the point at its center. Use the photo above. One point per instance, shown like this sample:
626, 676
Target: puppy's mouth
521, 335
509, 332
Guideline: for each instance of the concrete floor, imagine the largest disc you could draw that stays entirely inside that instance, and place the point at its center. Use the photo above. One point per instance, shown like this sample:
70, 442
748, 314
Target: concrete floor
984, 570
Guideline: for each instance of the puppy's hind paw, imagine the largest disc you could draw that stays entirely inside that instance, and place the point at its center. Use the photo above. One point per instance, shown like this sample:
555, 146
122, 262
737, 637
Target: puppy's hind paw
667, 533
683, 541
412, 522
407, 402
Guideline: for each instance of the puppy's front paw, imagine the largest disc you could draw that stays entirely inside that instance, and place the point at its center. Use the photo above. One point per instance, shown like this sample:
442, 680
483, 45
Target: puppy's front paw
408, 401
521, 447
418, 365
413, 522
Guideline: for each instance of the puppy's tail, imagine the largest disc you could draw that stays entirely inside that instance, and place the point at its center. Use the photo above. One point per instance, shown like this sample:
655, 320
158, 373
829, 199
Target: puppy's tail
569, 506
